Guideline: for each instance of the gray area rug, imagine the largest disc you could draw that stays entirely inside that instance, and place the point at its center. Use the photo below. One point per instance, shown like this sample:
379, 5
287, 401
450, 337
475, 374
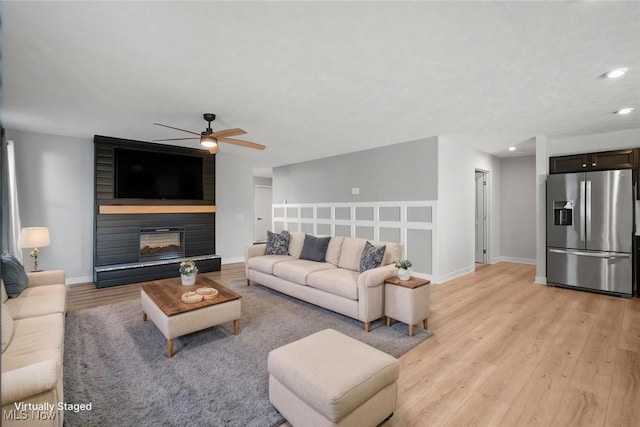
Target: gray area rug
118, 362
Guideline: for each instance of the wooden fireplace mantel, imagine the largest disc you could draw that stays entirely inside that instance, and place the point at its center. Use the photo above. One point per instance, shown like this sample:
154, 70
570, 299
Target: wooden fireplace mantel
155, 209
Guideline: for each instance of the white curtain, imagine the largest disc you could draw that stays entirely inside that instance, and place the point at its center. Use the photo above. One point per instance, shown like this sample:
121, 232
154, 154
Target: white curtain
14, 225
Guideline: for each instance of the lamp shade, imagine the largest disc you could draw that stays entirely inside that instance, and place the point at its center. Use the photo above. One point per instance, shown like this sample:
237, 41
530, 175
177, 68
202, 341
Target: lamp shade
34, 237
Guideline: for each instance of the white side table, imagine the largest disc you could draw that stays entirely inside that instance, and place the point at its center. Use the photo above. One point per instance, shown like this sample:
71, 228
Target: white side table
408, 301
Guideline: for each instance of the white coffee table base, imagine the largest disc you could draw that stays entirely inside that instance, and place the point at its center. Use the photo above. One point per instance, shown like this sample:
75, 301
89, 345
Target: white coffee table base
191, 321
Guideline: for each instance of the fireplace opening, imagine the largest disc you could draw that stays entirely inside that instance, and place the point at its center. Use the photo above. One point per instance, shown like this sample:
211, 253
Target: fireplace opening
161, 243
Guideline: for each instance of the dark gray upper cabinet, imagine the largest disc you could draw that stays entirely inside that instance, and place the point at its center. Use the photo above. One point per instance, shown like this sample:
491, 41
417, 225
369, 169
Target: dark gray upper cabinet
606, 160
618, 159
573, 163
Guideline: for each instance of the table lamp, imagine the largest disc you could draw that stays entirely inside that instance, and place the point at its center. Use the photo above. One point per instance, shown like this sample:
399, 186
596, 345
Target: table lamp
35, 237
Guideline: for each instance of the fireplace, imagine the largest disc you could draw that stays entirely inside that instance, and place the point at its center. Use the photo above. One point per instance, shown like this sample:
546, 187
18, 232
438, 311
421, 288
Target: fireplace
161, 243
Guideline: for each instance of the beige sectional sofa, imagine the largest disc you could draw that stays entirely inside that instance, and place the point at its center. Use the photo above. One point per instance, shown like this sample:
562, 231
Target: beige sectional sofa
336, 284
32, 351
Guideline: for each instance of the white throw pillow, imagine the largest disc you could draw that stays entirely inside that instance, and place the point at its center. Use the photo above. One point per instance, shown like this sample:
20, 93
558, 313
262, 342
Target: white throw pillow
296, 243
351, 253
7, 327
334, 249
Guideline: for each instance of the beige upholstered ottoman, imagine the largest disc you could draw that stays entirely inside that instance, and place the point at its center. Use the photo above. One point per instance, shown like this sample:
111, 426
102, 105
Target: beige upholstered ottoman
330, 379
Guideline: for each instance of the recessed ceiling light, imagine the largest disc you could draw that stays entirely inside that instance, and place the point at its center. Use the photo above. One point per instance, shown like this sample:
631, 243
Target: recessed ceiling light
618, 72
624, 110
512, 148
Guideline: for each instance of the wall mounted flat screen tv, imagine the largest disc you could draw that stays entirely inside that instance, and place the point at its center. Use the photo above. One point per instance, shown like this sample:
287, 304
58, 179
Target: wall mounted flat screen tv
150, 175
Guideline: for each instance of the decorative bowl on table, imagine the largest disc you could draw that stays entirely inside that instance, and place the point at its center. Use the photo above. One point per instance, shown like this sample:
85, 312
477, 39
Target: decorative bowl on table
191, 297
207, 293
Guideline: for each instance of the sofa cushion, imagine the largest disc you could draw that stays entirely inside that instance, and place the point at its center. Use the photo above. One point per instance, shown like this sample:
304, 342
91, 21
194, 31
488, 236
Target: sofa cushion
296, 243
334, 249
339, 281
371, 256
13, 275
7, 328
298, 270
38, 305
277, 244
10, 363
392, 254
265, 263
315, 248
36, 333
351, 253
53, 291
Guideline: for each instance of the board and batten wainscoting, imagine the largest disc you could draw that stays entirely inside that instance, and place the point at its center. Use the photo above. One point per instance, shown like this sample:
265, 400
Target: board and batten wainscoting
412, 223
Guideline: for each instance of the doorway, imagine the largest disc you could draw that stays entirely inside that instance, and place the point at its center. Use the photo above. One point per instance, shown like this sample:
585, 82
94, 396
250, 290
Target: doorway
481, 216
262, 195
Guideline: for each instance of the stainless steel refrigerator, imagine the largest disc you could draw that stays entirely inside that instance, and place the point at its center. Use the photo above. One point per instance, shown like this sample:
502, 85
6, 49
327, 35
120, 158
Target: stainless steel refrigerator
590, 227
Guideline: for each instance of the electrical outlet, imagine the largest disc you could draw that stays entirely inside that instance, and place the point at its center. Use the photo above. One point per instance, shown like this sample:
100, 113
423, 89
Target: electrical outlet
355, 190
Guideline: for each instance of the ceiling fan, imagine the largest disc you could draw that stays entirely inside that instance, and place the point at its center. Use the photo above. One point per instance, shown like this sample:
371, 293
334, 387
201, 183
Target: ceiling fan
210, 139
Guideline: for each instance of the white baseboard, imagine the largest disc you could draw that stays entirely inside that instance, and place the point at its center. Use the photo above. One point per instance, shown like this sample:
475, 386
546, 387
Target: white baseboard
76, 280
422, 275
513, 259
232, 260
541, 280
455, 274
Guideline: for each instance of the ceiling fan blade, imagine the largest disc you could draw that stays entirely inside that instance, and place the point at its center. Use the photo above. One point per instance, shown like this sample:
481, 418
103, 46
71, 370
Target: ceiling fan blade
172, 139
171, 127
241, 143
228, 132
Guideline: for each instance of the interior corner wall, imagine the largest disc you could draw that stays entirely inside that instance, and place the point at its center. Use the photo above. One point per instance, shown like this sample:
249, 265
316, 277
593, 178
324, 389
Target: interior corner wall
235, 205
55, 190
259, 180
399, 172
457, 164
518, 209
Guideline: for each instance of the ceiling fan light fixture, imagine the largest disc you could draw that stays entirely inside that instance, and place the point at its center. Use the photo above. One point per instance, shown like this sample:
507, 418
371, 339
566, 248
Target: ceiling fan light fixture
215, 149
208, 141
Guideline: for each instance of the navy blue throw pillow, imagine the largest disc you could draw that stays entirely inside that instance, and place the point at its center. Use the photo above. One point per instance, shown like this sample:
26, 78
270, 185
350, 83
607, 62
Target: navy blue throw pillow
315, 248
371, 257
13, 274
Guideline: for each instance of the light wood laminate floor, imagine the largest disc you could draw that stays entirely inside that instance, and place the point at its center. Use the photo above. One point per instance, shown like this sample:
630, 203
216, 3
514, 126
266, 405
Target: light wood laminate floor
506, 352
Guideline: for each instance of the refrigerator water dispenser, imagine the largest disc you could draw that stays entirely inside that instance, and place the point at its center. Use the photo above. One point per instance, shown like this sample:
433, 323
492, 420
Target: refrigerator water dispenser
563, 212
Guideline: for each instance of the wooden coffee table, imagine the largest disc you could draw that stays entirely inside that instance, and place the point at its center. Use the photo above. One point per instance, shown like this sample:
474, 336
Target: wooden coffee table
161, 303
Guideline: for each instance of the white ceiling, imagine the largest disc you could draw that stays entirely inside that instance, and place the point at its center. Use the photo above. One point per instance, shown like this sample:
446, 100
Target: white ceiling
315, 79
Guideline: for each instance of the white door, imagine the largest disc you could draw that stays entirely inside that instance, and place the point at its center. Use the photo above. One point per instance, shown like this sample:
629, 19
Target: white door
263, 212
481, 217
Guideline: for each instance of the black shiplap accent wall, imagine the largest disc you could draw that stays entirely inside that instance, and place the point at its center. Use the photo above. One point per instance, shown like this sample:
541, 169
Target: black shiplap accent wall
116, 235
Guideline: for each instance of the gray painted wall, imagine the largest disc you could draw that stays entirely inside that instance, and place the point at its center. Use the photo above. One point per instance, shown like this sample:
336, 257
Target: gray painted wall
456, 207
518, 208
259, 180
235, 185
400, 172
55, 190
